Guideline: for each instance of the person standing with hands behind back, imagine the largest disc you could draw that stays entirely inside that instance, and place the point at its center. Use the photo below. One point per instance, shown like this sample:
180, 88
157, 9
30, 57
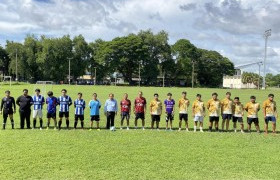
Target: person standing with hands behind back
7, 105
110, 110
24, 102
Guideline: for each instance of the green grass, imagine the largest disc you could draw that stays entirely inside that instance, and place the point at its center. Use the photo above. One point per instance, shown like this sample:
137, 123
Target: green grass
35, 154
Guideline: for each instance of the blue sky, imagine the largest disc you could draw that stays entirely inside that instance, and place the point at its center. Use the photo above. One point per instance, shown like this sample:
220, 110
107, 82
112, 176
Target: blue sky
232, 27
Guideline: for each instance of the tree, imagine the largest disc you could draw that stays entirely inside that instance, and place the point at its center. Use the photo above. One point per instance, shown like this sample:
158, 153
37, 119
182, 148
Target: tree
4, 61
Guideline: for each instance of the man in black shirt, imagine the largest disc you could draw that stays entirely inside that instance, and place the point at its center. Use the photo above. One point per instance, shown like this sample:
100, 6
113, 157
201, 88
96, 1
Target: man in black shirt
24, 102
7, 105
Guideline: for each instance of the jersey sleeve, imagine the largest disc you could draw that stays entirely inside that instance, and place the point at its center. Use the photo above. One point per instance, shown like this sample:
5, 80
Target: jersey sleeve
2, 103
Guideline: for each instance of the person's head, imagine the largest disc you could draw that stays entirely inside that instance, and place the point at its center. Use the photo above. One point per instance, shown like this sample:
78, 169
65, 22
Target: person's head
94, 96
169, 95
63, 92
156, 96
50, 93
80, 95
7, 93
198, 97
184, 94
25, 92
125, 96
228, 94
236, 100
37, 91
140, 94
271, 97
111, 96
214, 96
253, 99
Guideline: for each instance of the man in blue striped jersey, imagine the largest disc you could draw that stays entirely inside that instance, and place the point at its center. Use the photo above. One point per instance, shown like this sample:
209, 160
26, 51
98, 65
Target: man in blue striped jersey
38, 102
80, 106
64, 102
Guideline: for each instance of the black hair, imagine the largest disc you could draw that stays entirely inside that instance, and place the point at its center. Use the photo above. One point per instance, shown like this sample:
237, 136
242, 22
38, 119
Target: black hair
7, 92
64, 90
50, 93
25, 90
184, 92
271, 95
214, 94
156, 94
236, 98
37, 90
198, 95
228, 93
79, 93
169, 94
94, 94
253, 97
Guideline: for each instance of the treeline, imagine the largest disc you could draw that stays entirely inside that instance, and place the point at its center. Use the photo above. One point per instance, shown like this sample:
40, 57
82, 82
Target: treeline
47, 58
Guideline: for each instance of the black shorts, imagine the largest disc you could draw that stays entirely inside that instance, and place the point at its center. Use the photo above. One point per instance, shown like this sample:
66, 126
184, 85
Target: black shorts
252, 120
169, 117
95, 118
63, 114
156, 118
184, 117
139, 116
7, 112
125, 115
227, 116
51, 115
235, 119
213, 118
81, 117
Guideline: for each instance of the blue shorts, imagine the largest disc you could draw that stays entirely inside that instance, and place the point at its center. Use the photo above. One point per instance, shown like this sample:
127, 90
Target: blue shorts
227, 116
270, 118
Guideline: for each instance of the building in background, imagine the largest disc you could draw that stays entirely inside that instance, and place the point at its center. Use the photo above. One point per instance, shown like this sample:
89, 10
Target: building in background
235, 81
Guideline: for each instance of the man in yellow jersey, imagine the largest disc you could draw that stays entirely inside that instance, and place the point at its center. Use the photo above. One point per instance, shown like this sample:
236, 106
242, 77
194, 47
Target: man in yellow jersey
156, 110
252, 108
226, 108
198, 111
238, 113
183, 110
269, 113
214, 106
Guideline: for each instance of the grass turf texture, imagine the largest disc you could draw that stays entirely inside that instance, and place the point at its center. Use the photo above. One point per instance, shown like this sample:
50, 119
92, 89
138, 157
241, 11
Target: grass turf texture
78, 154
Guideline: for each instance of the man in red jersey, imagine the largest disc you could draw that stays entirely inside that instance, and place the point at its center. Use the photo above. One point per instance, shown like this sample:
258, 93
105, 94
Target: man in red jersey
125, 110
140, 109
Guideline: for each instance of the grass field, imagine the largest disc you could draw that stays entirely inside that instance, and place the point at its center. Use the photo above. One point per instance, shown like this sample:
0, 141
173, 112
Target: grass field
138, 154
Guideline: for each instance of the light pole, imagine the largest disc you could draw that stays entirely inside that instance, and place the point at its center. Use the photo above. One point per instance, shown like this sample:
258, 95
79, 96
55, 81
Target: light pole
192, 73
16, 67
259, 80
267, 33
94, 75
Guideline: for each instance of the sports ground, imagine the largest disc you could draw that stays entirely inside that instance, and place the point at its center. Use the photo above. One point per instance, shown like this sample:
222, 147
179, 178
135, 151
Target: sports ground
138, 154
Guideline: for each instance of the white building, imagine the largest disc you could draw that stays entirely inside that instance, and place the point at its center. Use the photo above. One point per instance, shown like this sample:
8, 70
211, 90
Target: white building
235, 81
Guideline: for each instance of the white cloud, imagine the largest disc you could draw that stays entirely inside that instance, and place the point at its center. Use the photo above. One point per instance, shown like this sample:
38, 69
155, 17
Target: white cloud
231, 27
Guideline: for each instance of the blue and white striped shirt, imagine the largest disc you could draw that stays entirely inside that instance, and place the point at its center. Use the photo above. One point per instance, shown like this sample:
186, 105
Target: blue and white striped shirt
38, 102
111, 106
80, 106
64, 103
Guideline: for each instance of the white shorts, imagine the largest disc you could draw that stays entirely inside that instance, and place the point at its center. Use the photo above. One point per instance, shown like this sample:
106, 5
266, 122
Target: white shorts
37, 113
198, 118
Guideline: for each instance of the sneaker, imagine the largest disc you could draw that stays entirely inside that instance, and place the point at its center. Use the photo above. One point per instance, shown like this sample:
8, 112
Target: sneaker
120, 128
41, 128
127, 128
98, 129
201, 130
235, 130
179, 129
143, 128
242, 131
187, 129
47, 128
136, 128
170, 129
54, 128
194, 130
158, 129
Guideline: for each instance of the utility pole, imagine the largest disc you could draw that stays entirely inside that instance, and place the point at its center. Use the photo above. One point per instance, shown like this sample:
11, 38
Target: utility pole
139, 74
94, 75
163, 79
259, 80
69, 77
192, 73
16, 66
116, 76
267, 33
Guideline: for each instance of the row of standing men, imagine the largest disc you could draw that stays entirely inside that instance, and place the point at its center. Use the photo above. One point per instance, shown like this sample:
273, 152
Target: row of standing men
228, 108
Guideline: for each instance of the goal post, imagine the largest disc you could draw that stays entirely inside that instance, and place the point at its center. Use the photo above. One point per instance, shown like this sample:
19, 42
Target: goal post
44, 86
7, 80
